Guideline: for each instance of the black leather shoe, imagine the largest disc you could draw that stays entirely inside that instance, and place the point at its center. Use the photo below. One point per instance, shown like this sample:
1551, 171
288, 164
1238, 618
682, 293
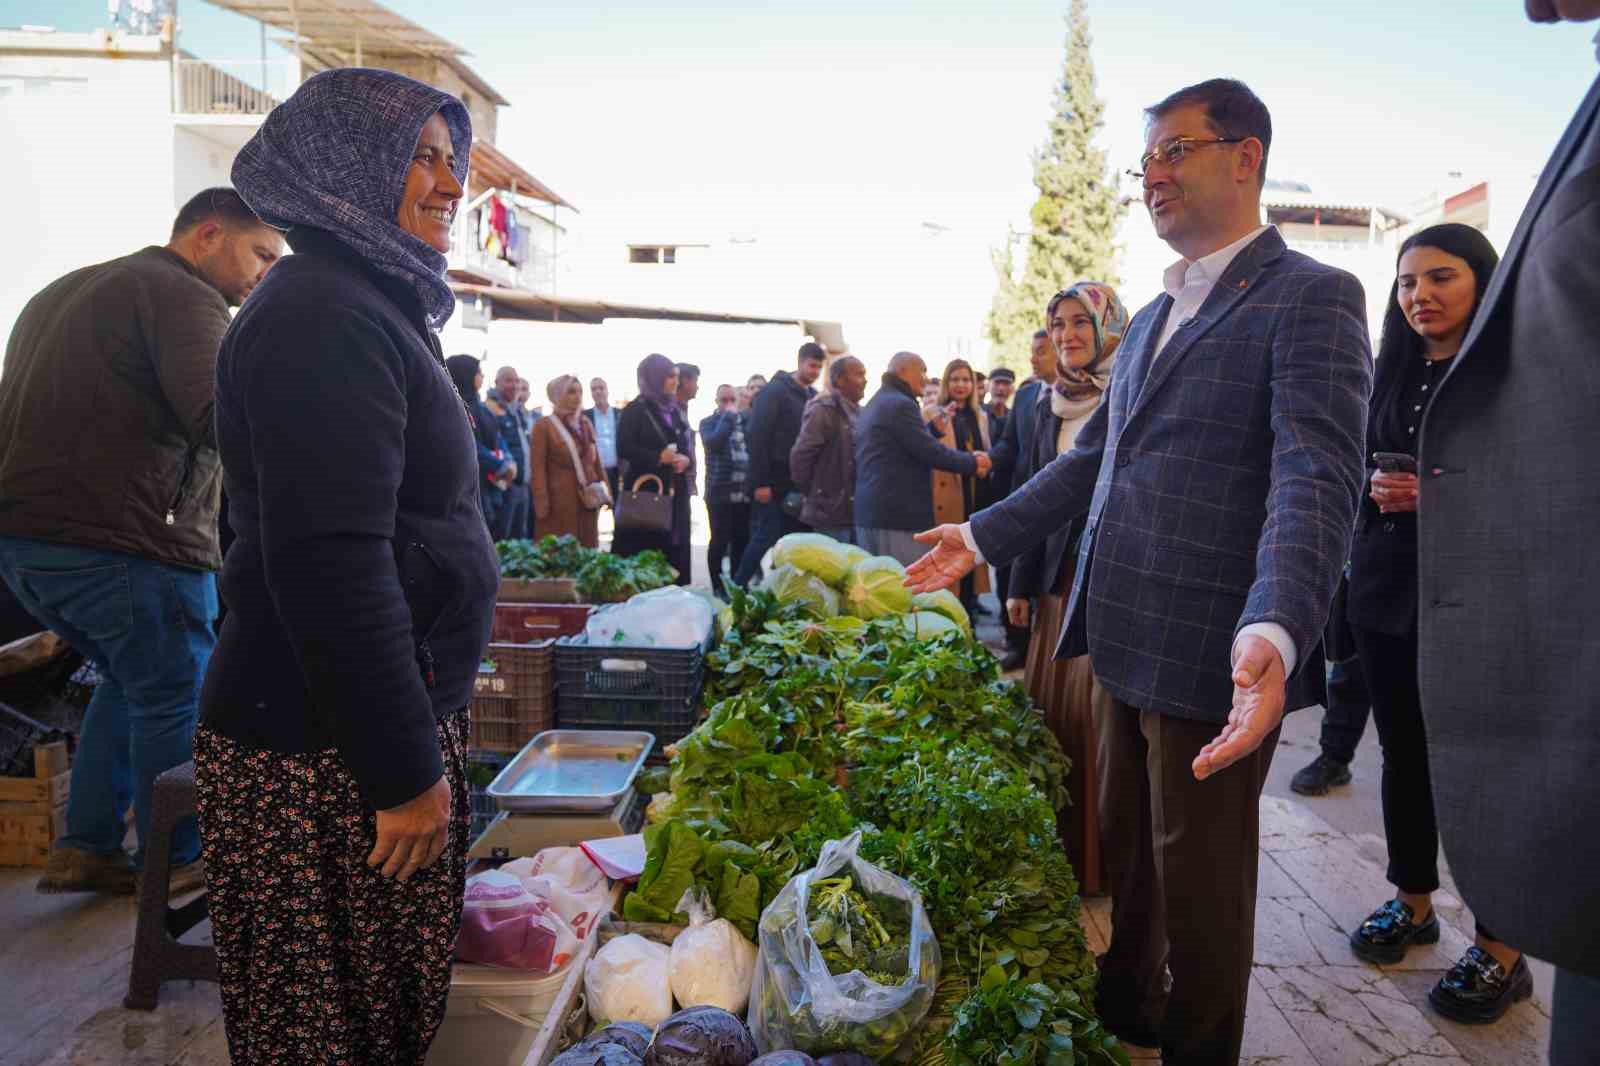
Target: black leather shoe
1323, 774
1118, 1024
1388, 931
1013, 659
1477, 990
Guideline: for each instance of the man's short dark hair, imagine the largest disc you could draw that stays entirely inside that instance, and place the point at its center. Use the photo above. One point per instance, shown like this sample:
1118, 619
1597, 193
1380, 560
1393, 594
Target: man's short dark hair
221, 205
812, 351
1232, 110
1040, 334
688, 370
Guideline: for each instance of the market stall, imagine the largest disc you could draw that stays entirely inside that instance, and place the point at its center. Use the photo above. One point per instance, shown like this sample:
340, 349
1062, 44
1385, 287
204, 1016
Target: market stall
852, 858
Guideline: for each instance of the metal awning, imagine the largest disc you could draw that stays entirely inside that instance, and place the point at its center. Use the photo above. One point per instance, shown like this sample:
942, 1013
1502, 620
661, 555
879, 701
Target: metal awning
494, 169
542, 307
345, 25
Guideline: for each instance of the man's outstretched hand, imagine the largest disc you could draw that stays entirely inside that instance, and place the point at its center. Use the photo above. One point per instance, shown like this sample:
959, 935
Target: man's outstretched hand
1258, 695
948, 562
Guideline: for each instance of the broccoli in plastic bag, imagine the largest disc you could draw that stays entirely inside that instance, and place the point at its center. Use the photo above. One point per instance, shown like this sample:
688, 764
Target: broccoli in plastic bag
798, 1003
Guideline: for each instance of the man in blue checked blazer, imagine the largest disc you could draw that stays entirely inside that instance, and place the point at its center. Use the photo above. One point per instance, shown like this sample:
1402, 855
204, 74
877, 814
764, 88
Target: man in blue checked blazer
1220, 479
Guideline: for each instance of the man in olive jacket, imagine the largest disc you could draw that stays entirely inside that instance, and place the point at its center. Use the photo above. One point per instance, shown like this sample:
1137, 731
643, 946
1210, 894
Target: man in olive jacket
109, 488
823, 459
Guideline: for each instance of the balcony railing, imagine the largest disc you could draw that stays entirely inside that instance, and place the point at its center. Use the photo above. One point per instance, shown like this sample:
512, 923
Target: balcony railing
230, 87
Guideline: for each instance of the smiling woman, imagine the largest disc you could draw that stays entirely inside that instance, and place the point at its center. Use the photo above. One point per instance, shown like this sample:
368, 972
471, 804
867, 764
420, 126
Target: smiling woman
330, 761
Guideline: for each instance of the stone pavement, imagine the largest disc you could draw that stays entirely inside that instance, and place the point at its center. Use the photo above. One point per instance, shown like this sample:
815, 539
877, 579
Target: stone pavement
1313, 1003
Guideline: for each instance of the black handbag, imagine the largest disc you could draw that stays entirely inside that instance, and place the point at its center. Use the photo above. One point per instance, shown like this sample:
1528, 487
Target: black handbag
794, 502
644, 512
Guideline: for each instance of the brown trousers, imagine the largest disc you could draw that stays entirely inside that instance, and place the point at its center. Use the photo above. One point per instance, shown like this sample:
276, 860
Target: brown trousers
1181, 858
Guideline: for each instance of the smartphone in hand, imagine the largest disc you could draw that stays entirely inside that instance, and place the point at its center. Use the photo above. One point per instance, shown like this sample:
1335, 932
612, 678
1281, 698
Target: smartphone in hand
1395, 462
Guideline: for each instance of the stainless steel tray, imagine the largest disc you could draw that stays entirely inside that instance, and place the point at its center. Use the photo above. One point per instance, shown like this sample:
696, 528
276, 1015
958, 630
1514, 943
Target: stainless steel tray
572, 770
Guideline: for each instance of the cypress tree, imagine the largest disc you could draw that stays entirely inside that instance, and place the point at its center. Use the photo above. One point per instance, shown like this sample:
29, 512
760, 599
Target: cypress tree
1073, 224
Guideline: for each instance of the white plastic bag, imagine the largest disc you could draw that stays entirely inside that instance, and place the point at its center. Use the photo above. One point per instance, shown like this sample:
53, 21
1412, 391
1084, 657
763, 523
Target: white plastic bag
504, 924
627, 981
667, 617
796, 1004
711, 961
569, 879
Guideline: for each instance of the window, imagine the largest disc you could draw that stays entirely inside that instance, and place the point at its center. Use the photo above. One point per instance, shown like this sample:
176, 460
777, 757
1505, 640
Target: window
637, 254
658, 253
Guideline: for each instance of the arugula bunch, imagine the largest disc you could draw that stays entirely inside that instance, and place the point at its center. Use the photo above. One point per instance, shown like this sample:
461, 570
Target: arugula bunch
601, 576
1027, 1024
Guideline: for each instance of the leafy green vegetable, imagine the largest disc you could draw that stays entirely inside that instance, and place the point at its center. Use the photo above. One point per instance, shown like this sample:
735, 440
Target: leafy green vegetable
1027, 1024
792, 585
672, 852
876, 586
817, 553
858, 933
601, 576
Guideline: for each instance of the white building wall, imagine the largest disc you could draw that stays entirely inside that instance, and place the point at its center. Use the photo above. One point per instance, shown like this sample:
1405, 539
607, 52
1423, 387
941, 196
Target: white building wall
199, 162
90, 172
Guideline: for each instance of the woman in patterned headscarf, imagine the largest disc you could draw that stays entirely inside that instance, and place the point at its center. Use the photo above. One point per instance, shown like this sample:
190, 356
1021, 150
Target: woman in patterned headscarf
1086, 323
331, 756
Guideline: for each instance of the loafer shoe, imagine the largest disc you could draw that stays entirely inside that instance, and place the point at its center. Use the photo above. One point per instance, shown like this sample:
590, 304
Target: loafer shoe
1389, 931
1322, 774
75, 870
1477, 990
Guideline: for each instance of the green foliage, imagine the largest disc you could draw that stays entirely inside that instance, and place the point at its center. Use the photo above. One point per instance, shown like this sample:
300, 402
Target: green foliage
1073, 225
601, 576
1013, 1023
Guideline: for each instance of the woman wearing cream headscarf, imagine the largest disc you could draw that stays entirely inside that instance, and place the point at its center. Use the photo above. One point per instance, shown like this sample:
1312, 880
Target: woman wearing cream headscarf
1086, 323
564, 458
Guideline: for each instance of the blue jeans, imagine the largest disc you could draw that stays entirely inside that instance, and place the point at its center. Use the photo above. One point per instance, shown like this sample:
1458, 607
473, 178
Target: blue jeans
768, 525
148, 626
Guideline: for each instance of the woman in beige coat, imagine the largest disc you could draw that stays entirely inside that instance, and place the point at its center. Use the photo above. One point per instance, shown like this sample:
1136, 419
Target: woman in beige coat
564, 459
963, 424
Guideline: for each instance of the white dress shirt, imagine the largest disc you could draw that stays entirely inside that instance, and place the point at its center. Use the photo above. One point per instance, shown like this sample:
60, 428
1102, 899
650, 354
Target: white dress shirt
1189, 283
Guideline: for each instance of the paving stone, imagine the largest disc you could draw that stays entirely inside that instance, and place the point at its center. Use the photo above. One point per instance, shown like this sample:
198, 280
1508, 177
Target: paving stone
1272, 881
1518, 1039
1269, 1039
1334, 1023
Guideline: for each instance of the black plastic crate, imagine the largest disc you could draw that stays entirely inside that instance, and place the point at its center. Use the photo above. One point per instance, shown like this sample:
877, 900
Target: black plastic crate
484, 766
18, 735
613, 672
666, 720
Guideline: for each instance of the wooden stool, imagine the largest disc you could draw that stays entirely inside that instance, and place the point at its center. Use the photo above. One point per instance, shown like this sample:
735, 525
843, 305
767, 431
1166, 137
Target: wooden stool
158, 957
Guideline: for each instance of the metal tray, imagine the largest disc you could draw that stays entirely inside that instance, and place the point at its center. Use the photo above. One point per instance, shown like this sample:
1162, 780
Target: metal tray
572, 770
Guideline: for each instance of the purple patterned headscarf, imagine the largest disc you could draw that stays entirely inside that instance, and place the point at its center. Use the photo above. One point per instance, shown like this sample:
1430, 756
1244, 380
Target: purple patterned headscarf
335, 156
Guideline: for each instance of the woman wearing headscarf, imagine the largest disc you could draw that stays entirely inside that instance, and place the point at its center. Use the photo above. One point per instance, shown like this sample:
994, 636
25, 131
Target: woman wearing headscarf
962, 423
1086, 323
653, 441
495, 469
564, 460
1440, 278
330, 759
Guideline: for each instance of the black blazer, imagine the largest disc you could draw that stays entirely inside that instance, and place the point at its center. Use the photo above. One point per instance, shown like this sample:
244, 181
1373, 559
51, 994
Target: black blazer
641, 435
1038, 570
1383, 552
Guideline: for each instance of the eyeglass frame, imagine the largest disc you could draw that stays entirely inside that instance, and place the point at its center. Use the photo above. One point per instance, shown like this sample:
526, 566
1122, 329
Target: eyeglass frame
1188, 144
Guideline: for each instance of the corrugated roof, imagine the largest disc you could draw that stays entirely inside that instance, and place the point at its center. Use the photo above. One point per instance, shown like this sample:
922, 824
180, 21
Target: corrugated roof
492, 167
542, 307
341, 23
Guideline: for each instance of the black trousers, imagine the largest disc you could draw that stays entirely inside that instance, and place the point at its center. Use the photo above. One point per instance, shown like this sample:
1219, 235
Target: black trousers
1346, 716
1390, 665
1574, 1019
730, 534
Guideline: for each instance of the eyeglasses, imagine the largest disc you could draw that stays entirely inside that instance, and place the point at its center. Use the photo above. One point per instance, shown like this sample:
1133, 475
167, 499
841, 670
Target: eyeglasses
1172, 152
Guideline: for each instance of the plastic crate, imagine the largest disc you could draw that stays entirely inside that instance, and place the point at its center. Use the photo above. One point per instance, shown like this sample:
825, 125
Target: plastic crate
525, 623
512, 696
18, 735
618, 672
484, 807
668, 721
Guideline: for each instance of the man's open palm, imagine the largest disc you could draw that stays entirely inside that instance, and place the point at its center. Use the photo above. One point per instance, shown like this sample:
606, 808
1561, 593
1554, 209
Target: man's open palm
1258, 695
948, 562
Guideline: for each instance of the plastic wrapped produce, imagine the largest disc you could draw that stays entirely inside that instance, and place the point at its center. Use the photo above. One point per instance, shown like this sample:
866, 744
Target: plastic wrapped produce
876, 586
504, 924
792, 585
666, 618
845, 912
817, 553
628, 981
711, 962
946, 603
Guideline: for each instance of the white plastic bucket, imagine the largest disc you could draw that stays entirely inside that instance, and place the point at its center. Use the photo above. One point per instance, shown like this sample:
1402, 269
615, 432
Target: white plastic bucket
494, 1015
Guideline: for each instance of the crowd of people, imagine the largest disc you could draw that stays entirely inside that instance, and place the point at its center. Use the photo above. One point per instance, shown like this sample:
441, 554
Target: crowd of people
1189, 512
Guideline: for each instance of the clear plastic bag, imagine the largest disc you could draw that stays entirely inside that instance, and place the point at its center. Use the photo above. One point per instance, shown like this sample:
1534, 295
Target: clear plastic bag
796, 1004
504, 924
669, 617
711, 961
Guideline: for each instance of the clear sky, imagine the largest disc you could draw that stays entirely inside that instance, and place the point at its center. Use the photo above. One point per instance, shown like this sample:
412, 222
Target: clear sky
839, 122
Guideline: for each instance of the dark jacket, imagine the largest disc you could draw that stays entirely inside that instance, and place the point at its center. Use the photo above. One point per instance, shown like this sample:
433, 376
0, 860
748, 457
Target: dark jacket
895, 452
727, 453
1382, 594
1220, 481
1013, 441
823, 462
512, 433
1037, 572
774, 427
362, 570
105, 412
1508, 581
641, 436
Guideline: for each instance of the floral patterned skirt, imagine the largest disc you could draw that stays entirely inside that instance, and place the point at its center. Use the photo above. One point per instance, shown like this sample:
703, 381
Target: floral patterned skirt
322, 959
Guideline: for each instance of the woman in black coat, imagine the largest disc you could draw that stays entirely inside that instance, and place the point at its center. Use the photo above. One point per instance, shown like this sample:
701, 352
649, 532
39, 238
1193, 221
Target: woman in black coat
654, 444
330, 761
495, 468
1442, 274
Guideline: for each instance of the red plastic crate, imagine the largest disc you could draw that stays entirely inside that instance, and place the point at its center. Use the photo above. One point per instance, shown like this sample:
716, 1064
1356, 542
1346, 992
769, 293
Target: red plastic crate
524, 623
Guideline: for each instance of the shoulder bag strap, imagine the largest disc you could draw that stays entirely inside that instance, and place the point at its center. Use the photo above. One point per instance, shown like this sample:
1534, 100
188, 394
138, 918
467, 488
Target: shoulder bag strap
572, 450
